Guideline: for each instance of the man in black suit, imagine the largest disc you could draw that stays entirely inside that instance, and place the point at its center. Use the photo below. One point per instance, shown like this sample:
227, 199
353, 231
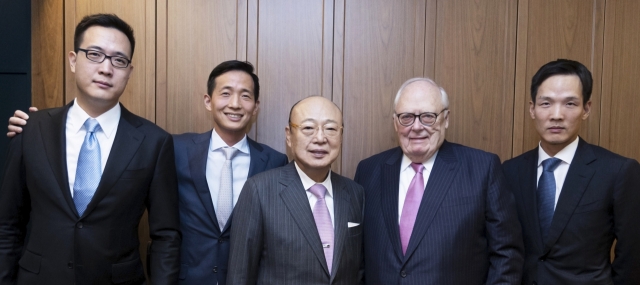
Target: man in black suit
301, 223
82, 175
436, 212
574, 198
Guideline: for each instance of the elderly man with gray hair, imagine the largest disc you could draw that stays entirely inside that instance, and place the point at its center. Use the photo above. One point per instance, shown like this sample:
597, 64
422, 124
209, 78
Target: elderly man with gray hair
436, 212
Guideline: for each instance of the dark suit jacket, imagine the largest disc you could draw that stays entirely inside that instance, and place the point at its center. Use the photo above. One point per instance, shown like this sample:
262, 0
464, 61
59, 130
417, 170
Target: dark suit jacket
466, 231
101, 246
274, 239
599, 202
205, 249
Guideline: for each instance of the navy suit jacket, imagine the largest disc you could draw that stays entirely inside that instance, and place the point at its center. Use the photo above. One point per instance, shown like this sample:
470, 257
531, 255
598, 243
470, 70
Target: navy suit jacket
599, 202
205, 249
102, 245
466, 230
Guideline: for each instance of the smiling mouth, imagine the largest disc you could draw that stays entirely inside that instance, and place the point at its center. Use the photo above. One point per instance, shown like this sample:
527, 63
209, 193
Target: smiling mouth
233, 117
318, 153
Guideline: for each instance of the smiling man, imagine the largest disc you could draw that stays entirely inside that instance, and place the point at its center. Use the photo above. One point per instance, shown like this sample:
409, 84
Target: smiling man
82, 175
301, 223
436, 212
212, 169
574, 198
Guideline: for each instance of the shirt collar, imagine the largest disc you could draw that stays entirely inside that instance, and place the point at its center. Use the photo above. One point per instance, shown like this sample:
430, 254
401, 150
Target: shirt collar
307, 182
217, 143
108, 121
406, 162
566, 154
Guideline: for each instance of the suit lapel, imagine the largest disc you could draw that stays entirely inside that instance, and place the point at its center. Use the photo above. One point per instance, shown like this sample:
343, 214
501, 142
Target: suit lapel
575, 184
54, 137
124, 147
529, 174
440, 179
258, 160
198, 153
295, 199
390, 181
341, 208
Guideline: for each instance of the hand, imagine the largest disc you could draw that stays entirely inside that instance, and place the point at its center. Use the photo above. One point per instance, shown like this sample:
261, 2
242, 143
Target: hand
19, 119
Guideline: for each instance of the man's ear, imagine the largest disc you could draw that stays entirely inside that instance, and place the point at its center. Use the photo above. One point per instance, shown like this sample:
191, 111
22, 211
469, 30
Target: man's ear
531, 107
587, 110
207, 101
287, 132
72, 60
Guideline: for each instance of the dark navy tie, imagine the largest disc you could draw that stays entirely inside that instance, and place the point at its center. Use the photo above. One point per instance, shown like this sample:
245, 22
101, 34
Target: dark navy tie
89, 169
547, 194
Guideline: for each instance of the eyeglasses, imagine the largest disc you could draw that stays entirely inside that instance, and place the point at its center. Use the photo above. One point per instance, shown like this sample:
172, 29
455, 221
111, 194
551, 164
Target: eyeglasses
310, 130
99, 57
426, 118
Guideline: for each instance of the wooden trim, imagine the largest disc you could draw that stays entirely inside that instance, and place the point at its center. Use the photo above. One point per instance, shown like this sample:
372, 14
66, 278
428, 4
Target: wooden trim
161, 63
520, 79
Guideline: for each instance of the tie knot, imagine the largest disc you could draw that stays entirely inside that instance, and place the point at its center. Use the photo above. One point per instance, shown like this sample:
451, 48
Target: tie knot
417, 167
550, 164
229, 152
318, 190
91, 125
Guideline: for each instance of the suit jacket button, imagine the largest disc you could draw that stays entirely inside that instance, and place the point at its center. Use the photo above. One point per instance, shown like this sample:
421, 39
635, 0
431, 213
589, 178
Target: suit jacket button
535, 283
70, 265
220, 241
403, 274
215, 269
79, 225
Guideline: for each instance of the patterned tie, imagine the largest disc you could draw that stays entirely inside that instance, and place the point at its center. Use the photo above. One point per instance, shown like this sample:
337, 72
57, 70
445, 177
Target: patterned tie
411, 205
323, 222
547, 194
89, 169
225, 195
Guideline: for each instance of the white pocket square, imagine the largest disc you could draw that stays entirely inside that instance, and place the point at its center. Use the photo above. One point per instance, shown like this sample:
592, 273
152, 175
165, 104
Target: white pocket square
351, 225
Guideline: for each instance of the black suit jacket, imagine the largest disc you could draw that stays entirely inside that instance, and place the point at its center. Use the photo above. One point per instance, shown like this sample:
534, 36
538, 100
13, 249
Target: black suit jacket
466, 231
599, 202
102, 245
205, 249
274, 239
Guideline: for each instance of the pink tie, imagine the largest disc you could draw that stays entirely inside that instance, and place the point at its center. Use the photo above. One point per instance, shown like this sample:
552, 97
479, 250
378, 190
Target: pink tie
323, 222
411, 206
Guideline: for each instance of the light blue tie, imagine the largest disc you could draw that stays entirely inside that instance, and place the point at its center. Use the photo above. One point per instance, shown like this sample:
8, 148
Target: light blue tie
547, 194
89, 168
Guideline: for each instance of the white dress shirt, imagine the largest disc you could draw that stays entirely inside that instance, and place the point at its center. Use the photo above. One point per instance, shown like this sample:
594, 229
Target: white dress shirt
328, 197
566, 155
406, 175
239, 166
75, 133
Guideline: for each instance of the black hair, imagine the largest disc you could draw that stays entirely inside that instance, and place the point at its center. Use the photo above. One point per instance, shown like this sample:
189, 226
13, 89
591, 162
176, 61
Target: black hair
232, 65
563, 67
102, 20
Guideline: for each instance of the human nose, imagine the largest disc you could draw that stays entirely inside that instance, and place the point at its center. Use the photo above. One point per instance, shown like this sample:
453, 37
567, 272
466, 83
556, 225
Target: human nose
556, 112
319, 135
105, 67
234, 101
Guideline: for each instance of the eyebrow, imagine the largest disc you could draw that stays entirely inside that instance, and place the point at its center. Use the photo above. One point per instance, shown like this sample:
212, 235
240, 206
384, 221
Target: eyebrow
563, 99
102, 50
243, 89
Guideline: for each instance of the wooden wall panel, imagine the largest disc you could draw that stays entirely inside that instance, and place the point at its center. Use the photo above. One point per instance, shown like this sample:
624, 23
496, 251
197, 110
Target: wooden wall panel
570, 29
380, 46
289, 61
139, 96
48, 57
474, 63
619, 127
199, 36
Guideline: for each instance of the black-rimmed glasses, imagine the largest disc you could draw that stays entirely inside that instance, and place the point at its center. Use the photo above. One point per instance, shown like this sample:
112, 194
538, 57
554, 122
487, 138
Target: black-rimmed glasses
426, 118
99, 57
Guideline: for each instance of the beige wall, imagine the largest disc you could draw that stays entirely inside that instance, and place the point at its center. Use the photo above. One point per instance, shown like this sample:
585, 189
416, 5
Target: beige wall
357, 53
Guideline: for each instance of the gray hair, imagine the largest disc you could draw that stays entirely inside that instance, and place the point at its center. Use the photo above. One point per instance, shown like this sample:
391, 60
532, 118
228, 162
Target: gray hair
443, 94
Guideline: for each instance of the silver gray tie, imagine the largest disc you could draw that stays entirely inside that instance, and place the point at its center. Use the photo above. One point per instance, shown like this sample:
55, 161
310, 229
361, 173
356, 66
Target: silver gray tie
225, 195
